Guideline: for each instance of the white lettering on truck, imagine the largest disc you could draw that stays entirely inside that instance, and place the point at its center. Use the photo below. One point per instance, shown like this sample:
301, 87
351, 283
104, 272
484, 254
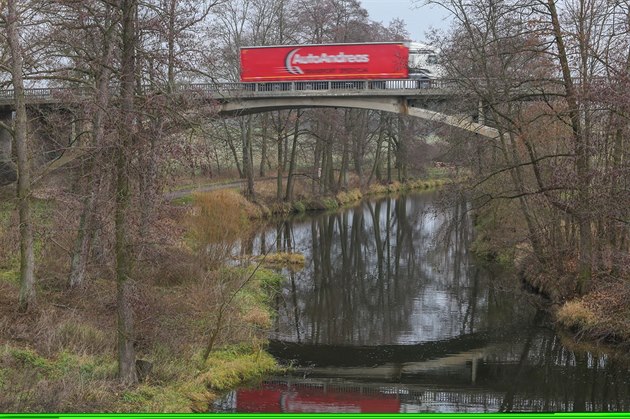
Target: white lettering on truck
294, 59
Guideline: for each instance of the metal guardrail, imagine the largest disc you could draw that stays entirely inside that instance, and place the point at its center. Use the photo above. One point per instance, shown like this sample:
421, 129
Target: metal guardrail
226, 90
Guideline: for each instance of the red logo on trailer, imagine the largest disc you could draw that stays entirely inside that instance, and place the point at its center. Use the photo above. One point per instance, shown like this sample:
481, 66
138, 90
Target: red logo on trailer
325, 62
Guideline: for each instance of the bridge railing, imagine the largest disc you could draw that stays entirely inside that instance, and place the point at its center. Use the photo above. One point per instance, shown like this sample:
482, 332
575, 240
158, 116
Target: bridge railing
46, 93
61, 94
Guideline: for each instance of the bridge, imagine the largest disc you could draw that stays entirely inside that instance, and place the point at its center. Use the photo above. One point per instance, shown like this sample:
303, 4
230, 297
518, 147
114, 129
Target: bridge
406, 97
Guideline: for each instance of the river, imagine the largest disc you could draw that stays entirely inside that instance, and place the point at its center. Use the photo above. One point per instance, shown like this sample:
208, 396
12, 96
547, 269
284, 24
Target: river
392, 314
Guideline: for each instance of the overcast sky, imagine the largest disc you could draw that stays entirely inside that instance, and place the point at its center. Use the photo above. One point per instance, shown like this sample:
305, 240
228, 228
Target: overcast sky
419, 18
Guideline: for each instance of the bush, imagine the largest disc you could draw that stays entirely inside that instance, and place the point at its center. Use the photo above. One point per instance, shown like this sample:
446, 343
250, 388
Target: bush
330, 203
299, 206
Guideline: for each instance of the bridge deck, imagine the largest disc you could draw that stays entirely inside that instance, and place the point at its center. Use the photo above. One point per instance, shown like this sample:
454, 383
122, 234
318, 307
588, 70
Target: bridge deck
235, 91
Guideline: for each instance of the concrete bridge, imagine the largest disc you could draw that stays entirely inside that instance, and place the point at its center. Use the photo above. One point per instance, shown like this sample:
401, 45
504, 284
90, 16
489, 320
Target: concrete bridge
408, 97
416, 98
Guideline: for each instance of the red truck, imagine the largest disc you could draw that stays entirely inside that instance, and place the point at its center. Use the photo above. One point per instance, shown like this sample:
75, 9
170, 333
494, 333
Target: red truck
384, 60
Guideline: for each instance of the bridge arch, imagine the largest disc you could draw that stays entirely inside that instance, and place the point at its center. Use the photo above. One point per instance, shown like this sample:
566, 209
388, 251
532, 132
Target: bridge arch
399, 105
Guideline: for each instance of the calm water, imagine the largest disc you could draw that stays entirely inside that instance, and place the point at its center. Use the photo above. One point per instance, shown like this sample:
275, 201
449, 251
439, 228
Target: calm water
392, 314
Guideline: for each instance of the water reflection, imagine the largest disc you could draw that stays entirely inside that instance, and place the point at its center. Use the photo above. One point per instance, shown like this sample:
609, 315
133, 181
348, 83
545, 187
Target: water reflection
392, 314
535, 373
389, 272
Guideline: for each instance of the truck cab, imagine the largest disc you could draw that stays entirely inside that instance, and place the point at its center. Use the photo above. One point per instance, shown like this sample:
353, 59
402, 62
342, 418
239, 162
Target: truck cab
423, 62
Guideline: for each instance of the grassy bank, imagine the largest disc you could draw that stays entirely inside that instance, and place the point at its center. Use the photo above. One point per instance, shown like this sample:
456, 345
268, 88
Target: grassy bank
61, 355
309, 202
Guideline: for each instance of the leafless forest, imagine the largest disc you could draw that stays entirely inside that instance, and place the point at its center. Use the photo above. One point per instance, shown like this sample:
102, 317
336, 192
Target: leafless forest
550, 192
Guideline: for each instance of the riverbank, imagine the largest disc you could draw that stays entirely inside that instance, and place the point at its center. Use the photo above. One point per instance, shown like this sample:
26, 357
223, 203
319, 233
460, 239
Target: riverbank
600, 317
308, 201
61, 356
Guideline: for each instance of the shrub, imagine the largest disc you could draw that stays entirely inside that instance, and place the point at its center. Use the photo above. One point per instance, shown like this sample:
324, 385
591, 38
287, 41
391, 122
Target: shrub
330, 203
299, 206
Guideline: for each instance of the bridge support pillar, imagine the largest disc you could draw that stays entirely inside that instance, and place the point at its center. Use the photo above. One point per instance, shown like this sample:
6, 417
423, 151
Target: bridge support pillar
8, 170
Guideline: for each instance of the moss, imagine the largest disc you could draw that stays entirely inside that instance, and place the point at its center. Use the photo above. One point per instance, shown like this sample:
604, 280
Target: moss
224, 370
253, 300
269, 280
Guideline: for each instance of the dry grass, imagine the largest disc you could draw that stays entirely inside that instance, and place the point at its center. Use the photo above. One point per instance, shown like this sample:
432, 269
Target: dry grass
220, 215
345, 198
601, 315
305, 197
576, 314
219, 219
294, 261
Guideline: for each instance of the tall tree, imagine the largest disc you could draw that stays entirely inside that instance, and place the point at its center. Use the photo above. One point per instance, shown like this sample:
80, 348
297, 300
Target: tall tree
556, 149
123, 245
12, 22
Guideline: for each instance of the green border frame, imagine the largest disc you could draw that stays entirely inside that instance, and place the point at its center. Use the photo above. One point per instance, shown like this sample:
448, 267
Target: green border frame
303, 415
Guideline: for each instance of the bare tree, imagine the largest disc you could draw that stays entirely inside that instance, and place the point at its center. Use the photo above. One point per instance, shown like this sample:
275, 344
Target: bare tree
12, 19
123, 248
538, 70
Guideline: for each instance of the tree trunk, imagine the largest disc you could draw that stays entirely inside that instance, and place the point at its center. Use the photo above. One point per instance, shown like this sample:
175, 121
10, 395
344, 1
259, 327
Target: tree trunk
123, 248
27, 253
317, 168
389, 159
82, 244
290, 180
342, 181
230, 143
582, 160
171, 45
279, 163
248, 172
376, 168
263, 144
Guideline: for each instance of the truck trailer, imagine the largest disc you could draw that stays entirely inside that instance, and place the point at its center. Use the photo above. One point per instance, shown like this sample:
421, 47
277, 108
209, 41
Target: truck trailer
360, 61
377, 65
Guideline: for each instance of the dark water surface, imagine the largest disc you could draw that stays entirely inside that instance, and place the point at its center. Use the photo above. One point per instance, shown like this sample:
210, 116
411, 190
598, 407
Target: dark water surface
392, 314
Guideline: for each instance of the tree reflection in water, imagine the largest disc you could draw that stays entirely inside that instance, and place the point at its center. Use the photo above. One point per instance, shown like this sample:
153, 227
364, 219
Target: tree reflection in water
392, 271
391, 298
